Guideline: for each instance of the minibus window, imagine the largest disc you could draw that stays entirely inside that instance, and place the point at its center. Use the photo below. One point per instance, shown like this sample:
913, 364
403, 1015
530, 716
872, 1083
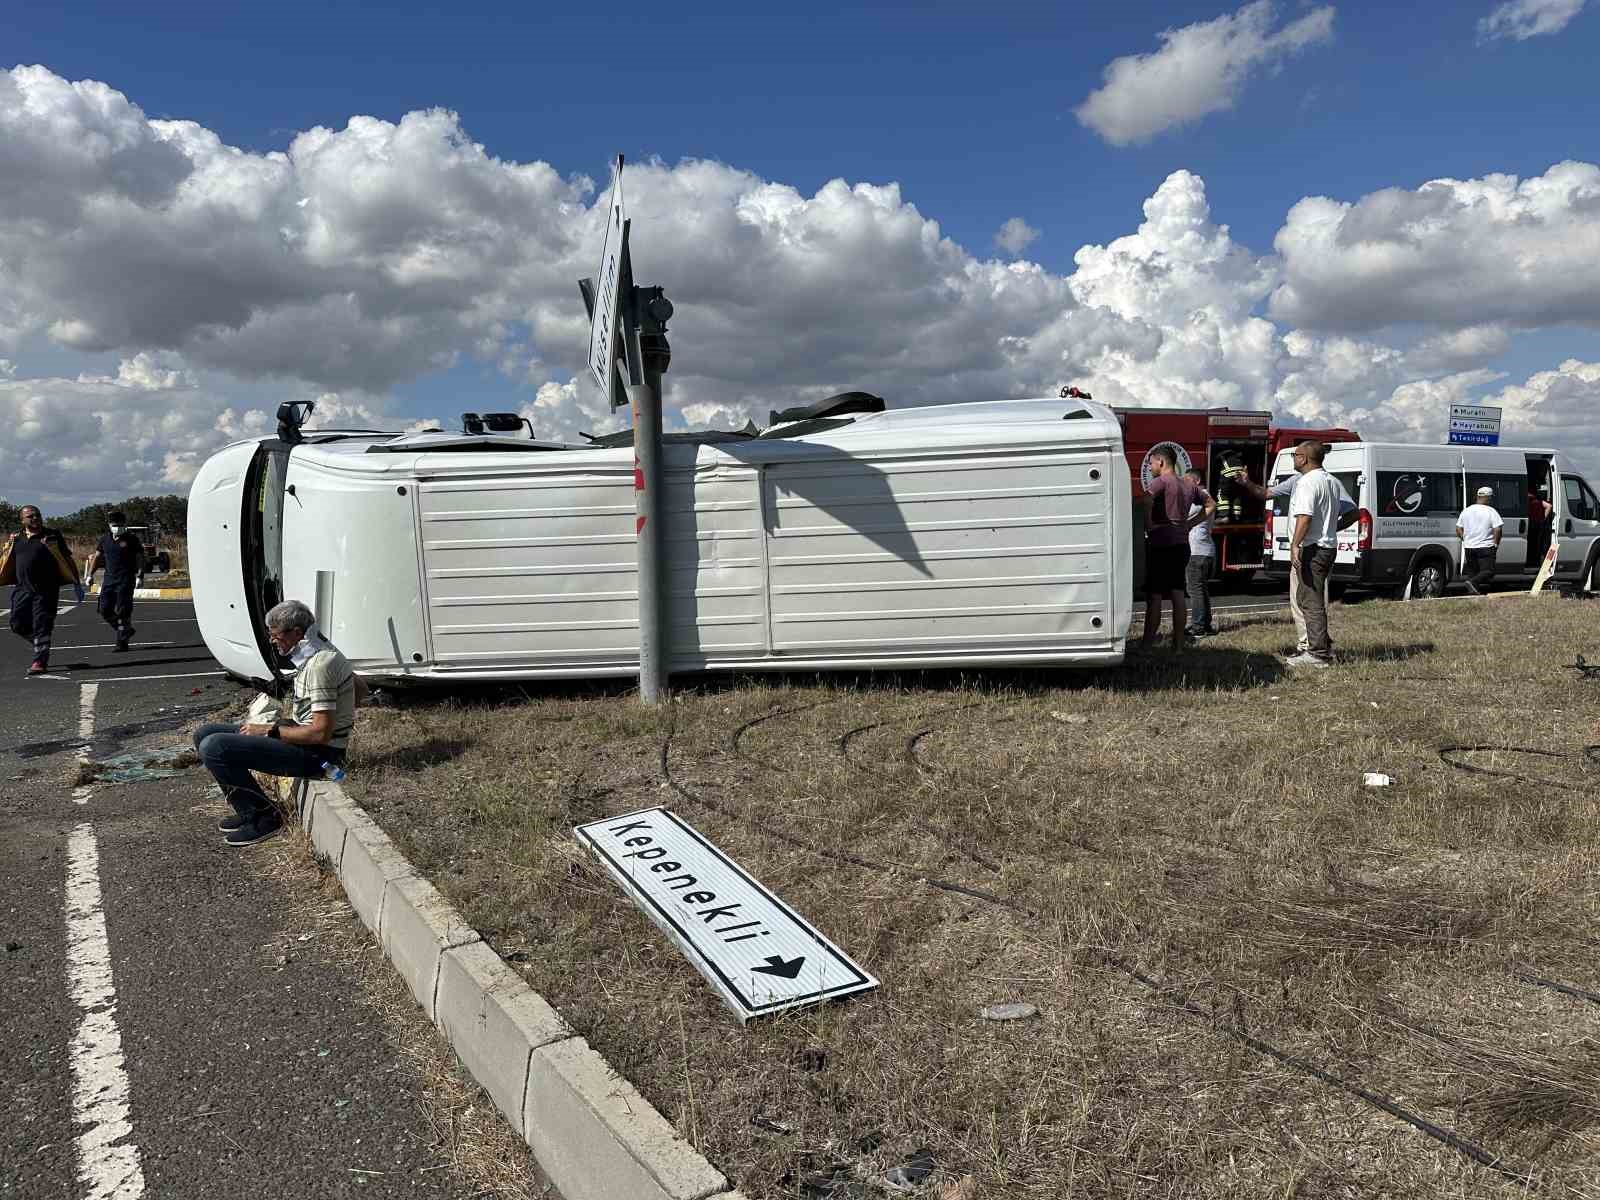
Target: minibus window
263, 536
1510, 492
1581, 503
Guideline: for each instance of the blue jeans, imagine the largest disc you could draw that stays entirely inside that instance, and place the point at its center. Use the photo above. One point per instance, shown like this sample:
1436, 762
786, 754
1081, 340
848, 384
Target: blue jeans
1197, 577
230, 756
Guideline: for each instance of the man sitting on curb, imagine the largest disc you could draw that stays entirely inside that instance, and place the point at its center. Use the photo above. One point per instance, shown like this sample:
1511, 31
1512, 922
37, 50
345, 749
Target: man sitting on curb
324, 711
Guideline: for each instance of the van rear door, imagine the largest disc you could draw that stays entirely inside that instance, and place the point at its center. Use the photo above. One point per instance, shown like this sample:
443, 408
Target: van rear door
235, 554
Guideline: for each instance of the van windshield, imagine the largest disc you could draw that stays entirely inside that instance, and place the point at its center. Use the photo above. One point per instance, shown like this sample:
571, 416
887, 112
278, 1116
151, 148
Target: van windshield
263, 535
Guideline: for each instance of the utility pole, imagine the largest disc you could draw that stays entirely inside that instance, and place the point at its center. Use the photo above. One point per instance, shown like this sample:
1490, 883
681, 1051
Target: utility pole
648, 312
628, 354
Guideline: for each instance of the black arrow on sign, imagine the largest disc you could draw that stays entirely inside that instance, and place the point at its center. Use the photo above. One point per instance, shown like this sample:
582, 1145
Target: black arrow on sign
776, 965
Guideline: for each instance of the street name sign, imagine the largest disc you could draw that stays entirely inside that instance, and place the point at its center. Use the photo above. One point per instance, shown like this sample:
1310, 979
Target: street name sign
760, 955
1474, 425
605, 321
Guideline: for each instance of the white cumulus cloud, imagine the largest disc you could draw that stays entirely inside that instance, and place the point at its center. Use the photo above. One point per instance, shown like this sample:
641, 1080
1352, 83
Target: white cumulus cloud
1199, 69
370, 256
1015, 236
1452, 253
1523, 19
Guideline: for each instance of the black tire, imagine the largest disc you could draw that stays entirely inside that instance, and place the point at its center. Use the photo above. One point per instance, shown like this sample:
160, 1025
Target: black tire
1428, 579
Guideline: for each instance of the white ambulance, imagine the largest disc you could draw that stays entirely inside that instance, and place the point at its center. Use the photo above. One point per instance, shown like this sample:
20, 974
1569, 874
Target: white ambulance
960, 535
1410, 497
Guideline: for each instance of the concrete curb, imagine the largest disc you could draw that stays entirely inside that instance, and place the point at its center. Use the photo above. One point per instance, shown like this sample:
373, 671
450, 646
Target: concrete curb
182, 593
593, 1135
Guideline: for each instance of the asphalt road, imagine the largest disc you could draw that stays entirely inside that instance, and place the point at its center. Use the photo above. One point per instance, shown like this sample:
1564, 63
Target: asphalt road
164, 1029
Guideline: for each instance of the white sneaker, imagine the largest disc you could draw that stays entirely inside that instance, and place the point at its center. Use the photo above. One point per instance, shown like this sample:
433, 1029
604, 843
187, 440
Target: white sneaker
1307, 660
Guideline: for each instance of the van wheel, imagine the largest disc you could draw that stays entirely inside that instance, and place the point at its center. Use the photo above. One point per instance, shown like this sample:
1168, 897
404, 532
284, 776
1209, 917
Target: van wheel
1428, 580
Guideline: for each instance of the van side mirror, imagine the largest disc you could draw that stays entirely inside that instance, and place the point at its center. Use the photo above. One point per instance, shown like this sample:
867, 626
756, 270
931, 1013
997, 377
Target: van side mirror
476, 425
292, 415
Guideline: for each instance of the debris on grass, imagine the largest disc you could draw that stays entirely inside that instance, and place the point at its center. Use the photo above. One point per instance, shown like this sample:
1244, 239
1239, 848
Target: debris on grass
1069, 718
912, 1173
1009, 1012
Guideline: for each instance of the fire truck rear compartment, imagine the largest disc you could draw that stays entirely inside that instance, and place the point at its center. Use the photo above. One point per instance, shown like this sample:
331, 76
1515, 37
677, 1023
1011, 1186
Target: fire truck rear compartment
1237, 526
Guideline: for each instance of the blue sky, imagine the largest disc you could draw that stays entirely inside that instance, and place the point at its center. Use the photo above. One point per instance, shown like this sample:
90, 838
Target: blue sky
971, 110
968, 107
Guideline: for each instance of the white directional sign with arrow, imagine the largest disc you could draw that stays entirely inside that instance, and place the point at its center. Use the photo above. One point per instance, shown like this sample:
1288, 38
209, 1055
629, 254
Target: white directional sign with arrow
758, 953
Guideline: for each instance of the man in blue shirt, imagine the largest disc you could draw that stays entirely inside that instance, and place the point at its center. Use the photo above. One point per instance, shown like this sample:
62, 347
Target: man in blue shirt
121, 553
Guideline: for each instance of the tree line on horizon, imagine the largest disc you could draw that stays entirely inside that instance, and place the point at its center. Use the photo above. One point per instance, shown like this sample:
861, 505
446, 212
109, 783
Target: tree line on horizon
90, 521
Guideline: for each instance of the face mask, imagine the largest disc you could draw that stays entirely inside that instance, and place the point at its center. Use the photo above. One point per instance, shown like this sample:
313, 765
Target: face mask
307, 646
116, 530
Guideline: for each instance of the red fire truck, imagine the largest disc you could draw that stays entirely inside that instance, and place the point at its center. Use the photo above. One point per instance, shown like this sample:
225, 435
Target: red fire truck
1208, 439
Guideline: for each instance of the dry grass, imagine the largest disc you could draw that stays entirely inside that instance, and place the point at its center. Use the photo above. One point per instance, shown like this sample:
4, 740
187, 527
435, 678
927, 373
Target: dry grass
1255, 976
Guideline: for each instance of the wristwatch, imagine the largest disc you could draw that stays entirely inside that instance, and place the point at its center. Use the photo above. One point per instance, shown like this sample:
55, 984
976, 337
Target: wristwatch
272, 730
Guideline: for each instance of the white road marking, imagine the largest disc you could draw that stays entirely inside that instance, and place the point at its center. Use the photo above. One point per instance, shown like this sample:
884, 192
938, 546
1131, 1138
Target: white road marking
86, 695
168, 621
135, 678
108, 645
108, 1160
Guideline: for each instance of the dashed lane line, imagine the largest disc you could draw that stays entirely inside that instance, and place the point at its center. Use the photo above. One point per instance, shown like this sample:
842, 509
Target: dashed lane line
86, 695
108, 1158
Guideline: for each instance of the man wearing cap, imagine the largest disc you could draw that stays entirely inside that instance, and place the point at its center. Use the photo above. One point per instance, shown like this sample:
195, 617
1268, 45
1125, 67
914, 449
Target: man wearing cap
1479, 528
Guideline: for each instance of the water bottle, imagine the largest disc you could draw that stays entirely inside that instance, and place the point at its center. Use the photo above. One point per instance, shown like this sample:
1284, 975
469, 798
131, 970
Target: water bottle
333, 772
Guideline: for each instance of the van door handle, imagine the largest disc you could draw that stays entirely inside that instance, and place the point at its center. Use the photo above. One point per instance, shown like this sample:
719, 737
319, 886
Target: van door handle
1569, 525
1522, 527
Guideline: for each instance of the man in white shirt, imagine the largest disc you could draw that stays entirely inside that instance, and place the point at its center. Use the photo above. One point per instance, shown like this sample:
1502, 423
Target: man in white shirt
1479, 528
1313, 545
1282, 490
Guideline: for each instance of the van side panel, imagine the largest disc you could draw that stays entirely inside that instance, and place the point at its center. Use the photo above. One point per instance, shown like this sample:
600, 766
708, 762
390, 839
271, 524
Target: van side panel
532, 569
350, 551
716, 605
958, 553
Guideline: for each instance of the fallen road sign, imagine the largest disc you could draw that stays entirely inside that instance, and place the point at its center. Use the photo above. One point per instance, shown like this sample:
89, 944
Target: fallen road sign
758, 953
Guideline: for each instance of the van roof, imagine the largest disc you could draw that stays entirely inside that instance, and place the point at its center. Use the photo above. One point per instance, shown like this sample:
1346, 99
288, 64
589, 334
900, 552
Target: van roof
942, 425
1350, 447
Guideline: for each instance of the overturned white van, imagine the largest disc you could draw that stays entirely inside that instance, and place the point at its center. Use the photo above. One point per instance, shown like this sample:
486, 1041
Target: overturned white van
958, 535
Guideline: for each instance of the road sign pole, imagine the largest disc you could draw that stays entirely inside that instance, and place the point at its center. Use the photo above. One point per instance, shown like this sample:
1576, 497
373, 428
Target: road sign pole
650, 311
